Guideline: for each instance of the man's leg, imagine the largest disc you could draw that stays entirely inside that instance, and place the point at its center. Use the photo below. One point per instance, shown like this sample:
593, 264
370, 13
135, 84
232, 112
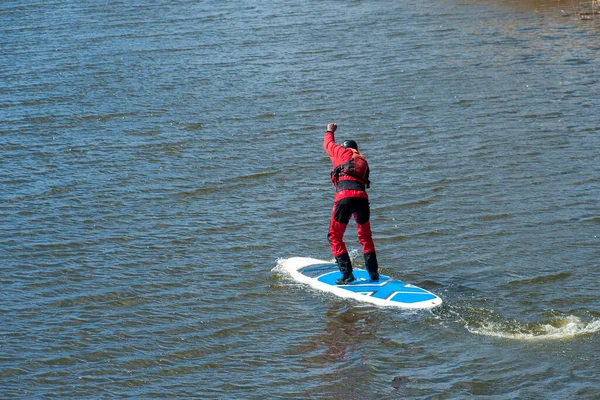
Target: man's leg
365, 237
337, 226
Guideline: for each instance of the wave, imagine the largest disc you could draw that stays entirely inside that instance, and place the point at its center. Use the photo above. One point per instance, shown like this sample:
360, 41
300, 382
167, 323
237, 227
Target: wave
541, 279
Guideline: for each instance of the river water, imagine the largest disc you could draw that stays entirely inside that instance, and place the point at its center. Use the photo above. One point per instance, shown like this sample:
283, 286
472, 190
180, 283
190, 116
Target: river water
161, 161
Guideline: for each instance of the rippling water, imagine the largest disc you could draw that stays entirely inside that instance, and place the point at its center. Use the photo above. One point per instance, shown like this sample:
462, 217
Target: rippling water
162, 160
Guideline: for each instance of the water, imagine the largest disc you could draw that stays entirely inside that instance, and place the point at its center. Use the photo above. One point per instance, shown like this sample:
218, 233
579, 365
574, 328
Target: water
161, 160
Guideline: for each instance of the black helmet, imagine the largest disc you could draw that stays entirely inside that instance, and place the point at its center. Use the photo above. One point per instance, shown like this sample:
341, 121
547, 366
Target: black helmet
350, 144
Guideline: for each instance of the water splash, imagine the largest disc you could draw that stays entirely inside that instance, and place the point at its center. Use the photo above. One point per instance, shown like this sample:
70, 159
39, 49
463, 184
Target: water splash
560, 328
553, 325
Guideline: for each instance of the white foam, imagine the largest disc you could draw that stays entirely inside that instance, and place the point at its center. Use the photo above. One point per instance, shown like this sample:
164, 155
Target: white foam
295, 263
563, 328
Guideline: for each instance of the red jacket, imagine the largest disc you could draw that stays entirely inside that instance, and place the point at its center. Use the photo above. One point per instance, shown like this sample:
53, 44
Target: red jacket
338, 156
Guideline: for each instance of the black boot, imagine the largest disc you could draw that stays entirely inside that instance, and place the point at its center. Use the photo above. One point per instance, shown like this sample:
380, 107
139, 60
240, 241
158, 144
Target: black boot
345, 266
372, 267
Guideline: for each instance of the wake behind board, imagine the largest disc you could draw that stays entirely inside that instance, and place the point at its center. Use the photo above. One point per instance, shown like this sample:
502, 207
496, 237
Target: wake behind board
385, 292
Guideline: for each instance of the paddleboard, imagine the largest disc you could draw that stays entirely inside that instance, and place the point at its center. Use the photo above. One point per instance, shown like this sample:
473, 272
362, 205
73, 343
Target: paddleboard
387, 291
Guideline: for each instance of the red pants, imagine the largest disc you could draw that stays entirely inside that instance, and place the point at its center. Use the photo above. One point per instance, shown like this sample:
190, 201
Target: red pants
340, 216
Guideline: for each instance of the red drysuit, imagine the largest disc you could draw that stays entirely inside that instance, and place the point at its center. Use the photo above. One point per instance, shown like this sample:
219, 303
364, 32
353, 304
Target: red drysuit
351, 198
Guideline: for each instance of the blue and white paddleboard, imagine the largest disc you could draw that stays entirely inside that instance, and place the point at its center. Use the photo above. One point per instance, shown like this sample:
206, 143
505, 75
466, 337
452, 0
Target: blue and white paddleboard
385, 292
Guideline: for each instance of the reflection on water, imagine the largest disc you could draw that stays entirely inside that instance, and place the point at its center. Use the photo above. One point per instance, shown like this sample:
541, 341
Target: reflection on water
345, 329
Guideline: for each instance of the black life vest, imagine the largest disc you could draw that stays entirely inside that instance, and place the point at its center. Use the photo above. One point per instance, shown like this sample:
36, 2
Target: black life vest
357, 169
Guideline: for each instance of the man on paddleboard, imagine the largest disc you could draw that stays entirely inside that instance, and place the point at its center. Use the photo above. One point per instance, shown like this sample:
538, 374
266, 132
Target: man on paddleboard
350, 177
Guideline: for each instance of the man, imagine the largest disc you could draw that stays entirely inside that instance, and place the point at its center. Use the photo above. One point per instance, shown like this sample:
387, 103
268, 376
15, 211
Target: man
350, 177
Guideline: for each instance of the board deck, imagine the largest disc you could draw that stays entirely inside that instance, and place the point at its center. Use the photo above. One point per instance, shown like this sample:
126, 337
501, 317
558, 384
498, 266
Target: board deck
386, 292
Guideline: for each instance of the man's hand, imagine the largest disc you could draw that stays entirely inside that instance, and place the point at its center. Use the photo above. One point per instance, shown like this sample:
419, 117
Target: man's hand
331, 127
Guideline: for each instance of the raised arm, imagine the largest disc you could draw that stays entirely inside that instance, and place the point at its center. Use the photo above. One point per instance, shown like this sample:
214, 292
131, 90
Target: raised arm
337, 154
